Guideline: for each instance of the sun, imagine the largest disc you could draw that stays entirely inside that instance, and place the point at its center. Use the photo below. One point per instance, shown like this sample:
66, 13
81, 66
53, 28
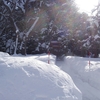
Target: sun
86, 5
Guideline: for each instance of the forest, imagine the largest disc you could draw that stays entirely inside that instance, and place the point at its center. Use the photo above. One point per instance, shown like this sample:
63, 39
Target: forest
42, 26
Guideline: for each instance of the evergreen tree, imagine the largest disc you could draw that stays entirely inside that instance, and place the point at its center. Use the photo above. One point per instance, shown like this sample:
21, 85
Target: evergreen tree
29, 26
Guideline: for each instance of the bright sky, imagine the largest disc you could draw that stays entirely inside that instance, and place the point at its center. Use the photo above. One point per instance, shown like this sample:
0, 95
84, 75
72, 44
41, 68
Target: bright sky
86, 5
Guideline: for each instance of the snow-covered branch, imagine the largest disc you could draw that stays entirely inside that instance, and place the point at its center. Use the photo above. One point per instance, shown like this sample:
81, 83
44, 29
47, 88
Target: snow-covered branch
31, 28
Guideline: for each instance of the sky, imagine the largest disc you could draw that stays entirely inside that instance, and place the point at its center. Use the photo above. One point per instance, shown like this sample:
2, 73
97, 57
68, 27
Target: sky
31, 77
86, 5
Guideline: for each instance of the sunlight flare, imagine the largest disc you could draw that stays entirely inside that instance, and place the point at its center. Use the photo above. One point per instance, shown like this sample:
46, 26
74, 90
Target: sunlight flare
86, 5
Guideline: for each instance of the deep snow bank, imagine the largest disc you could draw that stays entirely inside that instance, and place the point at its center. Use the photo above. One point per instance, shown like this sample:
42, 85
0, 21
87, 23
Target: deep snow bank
84, 76
25, 78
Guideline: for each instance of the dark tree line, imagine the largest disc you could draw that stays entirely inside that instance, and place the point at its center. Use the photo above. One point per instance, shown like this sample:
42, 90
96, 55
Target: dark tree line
28, 27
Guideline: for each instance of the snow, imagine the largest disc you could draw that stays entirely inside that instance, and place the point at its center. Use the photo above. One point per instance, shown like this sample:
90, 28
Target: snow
32, 78
96, 36
85, 76
31, 28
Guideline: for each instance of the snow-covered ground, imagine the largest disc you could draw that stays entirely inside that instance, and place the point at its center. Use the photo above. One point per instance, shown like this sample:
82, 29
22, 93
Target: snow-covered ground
85, 73
32, 78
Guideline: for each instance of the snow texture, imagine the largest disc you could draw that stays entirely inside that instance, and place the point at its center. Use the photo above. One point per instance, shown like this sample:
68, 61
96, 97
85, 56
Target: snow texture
32, 78
85, 73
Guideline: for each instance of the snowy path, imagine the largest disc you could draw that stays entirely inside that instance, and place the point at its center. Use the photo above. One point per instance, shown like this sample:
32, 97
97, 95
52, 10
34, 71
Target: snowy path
84, 76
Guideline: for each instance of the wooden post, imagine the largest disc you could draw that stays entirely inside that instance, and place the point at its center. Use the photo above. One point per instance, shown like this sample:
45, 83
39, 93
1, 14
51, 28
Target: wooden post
49, 57
89, 59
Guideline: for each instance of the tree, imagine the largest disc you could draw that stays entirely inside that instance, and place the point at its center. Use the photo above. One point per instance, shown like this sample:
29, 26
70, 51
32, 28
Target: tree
11, 15
21, 19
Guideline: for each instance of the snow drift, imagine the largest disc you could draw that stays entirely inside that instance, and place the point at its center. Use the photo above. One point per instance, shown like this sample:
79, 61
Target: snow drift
27, 78
84, 75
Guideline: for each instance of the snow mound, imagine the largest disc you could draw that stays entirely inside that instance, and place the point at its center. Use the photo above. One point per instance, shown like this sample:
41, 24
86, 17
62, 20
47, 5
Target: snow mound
26, 78
3, 54
84, 75
45, 57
